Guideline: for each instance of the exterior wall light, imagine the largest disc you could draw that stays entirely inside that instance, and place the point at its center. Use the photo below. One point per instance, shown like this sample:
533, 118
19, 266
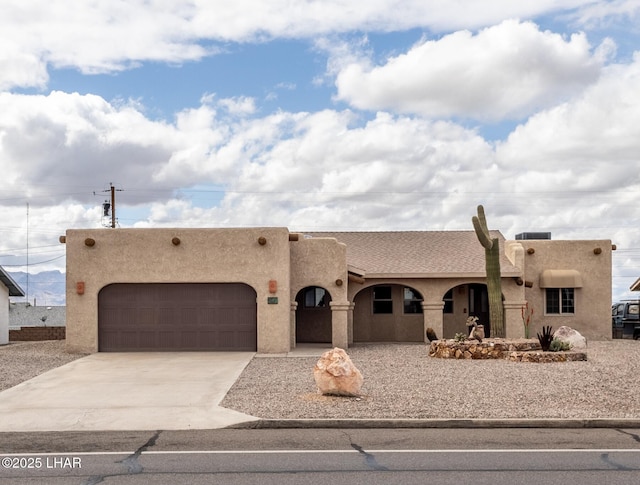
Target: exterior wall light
262, 240
90, 242
175, 241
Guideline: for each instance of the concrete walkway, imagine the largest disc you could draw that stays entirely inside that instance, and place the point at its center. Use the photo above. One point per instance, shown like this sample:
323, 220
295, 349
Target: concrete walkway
128, 391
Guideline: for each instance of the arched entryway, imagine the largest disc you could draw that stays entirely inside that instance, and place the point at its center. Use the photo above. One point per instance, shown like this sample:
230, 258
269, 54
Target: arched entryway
388, 313
461, 302
313, 315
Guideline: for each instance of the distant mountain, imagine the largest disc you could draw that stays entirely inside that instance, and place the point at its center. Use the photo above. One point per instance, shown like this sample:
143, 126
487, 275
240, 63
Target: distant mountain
46, 288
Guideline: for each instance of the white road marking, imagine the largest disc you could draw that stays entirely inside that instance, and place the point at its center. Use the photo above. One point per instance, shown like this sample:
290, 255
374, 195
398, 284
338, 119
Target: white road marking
349, 450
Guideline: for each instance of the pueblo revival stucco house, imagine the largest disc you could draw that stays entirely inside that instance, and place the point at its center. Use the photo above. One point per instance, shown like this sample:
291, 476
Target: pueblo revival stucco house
268, 289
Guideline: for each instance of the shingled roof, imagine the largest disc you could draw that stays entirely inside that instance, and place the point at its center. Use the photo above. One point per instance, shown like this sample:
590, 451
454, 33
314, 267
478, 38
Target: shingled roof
418, 254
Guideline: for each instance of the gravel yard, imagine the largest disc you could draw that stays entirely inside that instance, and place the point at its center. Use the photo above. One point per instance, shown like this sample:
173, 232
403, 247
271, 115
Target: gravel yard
20, 361
402, 381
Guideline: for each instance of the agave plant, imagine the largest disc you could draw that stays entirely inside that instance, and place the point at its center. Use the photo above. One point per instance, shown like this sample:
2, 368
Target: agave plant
546, 338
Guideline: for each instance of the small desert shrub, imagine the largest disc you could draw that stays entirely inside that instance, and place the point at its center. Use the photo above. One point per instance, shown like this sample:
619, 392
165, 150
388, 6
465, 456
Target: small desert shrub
460, 337
558, 345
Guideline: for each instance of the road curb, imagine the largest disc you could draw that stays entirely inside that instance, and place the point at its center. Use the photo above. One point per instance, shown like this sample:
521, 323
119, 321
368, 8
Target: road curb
437, 423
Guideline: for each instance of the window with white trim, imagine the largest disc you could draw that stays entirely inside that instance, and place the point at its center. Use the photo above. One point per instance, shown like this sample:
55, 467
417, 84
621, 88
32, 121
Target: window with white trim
560, 301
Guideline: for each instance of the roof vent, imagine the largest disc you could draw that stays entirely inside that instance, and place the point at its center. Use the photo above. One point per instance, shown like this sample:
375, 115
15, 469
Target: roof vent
533, 235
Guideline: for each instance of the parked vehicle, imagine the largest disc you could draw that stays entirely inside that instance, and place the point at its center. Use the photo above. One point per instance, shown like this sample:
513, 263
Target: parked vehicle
625, 318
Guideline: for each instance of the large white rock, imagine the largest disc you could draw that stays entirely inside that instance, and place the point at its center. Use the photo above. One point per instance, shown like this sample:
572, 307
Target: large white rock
336, 375
573, 337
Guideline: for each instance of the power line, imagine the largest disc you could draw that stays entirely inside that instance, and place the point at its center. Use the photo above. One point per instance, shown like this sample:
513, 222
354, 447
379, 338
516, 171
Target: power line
33, 264
33, 247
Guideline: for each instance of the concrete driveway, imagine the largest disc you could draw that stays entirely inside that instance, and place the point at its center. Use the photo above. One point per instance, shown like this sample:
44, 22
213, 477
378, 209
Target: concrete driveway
128, 391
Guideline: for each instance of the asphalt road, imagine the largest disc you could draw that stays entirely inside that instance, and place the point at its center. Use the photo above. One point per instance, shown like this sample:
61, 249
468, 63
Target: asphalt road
309, 456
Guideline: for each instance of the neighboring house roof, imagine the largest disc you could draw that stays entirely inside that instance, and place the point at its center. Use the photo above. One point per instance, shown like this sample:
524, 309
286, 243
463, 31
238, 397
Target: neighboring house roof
419, 254
14, 288
23, 314
635, 286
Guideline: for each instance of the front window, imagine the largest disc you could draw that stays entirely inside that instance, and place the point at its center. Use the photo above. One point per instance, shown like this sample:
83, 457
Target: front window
382, 302
412, 301
560, 301
315, 298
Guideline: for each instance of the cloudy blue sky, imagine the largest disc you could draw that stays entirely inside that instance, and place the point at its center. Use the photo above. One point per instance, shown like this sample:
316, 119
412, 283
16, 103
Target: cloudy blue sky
320, 115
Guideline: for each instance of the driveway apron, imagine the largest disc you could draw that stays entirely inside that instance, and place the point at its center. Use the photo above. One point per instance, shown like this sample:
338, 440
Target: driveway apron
128, 391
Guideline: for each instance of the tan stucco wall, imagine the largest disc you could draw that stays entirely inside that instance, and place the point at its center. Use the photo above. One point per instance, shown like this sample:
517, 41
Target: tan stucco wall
592, 316
396, 326
4, 314
203, 256
320, 262
312, 325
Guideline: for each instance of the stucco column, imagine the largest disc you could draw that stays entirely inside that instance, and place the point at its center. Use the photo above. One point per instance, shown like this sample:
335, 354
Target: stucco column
340, 324
350, 322
432, 312
514, 328
292, 325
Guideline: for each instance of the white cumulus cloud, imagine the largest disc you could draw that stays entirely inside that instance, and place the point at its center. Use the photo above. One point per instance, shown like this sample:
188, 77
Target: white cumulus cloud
112, 35
597, 135
506, 71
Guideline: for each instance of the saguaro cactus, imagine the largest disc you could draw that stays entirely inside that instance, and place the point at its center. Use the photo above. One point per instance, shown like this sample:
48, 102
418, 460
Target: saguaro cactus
492, 263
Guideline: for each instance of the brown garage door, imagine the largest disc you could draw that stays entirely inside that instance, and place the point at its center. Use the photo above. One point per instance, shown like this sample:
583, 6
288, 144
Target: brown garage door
177, 316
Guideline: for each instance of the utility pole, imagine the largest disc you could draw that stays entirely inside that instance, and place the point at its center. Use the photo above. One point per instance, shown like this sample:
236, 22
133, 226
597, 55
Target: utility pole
27, 299
113, 206
106, 207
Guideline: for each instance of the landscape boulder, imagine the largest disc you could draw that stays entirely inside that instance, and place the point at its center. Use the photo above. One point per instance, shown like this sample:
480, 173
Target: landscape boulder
335, 374
570, 336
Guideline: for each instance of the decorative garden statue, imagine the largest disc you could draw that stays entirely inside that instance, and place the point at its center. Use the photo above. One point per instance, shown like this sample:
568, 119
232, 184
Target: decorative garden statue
475, 331
492, 263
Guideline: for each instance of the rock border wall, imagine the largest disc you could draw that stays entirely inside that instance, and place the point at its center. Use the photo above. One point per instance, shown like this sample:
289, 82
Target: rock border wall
522, 350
